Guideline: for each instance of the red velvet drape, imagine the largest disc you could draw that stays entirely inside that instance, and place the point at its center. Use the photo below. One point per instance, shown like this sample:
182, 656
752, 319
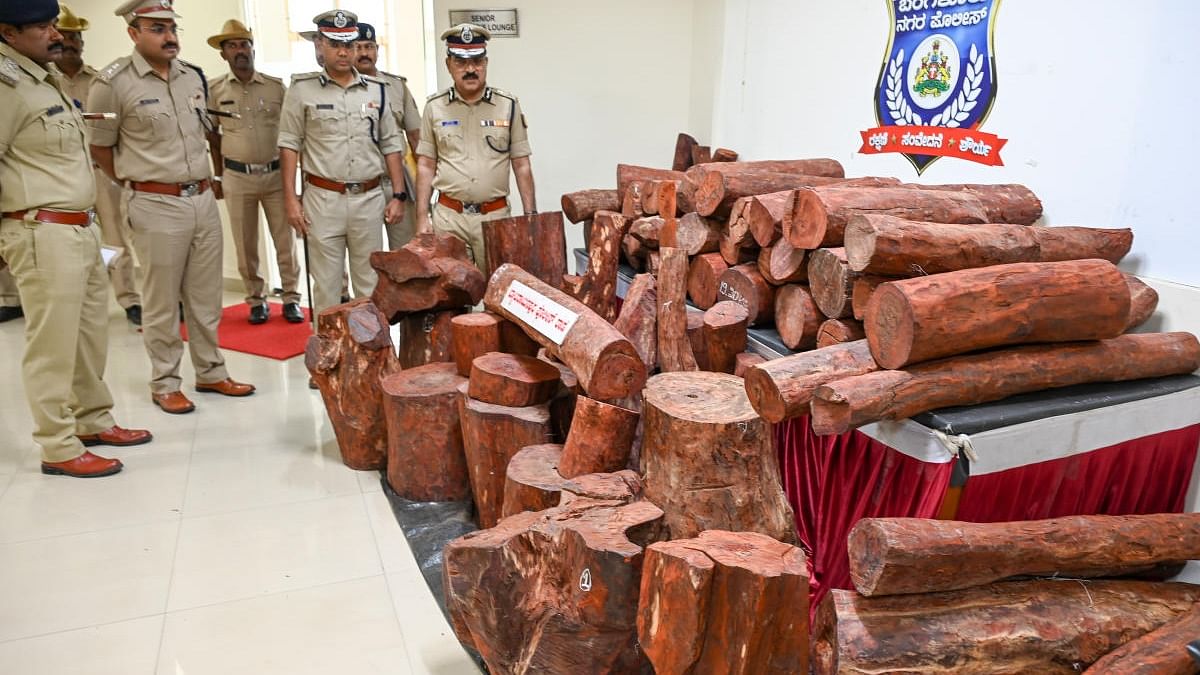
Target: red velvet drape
833, 481
1144, 475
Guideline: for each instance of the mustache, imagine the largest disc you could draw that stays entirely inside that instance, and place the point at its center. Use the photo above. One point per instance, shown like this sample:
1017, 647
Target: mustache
471, 76
64, 47
55, 46
170, 45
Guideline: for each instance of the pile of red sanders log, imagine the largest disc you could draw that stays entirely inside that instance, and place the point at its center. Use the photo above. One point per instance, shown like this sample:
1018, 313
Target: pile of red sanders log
1049, 596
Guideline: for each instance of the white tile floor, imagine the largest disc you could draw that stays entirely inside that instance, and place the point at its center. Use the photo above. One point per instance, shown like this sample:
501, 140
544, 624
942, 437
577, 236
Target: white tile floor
236, 542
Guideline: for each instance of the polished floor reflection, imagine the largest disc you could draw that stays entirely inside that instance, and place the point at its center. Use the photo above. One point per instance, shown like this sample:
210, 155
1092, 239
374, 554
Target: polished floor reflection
236, 542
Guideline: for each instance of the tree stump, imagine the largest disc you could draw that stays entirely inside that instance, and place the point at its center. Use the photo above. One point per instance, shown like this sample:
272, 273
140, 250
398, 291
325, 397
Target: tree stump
891, 556
1158, 651
744, 285
837, 331
1044, 626
553, 591
724, 602
492, 434
606, 363
583, 204
725, 335
600, 439
532, 481
426, 462
535, 242
783, 264
513, 381
430, 272
797, 317
709, 459
831, 282
427, 337
347, 358
783, 388
674, 350
703, 280
990, 376
821, 213
925, 318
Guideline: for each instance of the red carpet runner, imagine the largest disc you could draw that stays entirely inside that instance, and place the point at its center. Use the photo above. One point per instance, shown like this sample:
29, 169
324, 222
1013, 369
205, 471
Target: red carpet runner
275, 339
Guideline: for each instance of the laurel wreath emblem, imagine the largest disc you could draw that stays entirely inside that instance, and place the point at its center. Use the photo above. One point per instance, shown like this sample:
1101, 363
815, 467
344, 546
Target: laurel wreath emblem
955, 114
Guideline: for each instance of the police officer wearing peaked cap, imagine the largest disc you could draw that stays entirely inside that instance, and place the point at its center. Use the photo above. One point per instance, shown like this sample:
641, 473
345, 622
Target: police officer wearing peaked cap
470, 135
338, 123
48, 237
157, 145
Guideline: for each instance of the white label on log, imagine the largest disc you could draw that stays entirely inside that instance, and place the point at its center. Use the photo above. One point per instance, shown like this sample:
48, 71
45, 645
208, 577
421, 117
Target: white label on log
585, 580
539, 312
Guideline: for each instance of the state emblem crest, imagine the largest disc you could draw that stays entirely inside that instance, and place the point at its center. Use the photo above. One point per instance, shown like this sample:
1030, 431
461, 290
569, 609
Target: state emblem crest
937, 83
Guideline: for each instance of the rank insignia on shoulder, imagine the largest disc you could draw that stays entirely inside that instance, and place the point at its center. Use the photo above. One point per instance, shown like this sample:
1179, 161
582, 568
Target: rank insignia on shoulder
449, 123
493, 123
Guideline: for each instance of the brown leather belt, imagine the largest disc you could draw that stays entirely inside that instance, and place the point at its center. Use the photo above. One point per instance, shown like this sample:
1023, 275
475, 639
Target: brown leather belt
339, 186
466, 207
76, 218
176, 189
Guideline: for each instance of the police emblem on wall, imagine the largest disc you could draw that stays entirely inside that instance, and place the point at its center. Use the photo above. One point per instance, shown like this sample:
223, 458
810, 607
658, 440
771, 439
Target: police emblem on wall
937, 83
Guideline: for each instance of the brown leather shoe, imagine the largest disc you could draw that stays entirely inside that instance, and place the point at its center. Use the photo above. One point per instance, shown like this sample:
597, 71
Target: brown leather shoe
86, 465
226, 387
117, 436
173, 402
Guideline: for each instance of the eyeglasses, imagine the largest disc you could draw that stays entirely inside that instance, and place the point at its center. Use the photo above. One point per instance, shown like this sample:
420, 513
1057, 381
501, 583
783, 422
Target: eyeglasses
161, 29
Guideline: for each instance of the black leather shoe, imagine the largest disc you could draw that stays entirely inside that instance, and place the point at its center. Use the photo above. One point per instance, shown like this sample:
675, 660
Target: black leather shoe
134, 314
259, 314
10, 313
291, 312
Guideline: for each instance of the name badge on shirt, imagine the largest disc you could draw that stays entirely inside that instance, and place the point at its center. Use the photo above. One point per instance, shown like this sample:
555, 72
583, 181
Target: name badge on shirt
54, 110
228, 102
324, 106
449, 123
493, 123
148, 101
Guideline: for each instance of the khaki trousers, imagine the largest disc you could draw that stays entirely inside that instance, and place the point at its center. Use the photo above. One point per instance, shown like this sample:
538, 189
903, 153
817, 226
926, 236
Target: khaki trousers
114, 231
9, 295
468, 227
178, 242
243, 194
342, 224
62, 281
399, 233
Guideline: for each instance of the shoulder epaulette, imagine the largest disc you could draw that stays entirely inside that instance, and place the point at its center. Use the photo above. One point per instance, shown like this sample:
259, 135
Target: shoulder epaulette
501, 92
394, 76
272, 78
300, 77
373, 79
200, 72
448, 92
10, 72
113, 68
89, 70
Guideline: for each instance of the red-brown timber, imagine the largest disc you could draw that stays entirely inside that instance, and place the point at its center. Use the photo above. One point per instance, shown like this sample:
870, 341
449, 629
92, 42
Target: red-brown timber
782, 388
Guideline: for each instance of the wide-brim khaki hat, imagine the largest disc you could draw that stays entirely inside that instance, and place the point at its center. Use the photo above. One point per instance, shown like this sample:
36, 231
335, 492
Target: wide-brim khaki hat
68, 22
232, 30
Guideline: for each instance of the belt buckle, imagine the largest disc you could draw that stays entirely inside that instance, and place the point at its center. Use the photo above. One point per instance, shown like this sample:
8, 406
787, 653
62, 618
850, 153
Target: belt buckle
471, 208
354, 188
189, 189
91, 214
259, 169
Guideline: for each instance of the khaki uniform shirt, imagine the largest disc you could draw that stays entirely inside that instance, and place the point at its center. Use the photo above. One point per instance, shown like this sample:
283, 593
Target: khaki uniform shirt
401, 100
341, 134
473, 143
77, 87
159, 132
253, 139
44, 160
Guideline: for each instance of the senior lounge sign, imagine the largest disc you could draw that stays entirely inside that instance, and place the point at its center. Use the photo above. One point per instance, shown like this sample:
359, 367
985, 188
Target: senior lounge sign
499, 22
937, 83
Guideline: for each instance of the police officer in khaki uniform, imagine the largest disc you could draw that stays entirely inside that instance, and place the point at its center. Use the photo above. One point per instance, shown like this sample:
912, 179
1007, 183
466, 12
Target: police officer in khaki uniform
48, 238
337, 121
114, 227
470, 135
246, 157
157, 145
408, 118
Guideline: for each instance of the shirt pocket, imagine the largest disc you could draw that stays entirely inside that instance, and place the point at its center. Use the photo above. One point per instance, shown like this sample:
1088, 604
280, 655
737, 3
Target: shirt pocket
327, 123
450, 139
61, 133
231, 123
155, 121
498, 139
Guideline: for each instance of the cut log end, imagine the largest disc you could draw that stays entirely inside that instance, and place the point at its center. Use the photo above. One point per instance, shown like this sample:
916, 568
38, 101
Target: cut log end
806, 229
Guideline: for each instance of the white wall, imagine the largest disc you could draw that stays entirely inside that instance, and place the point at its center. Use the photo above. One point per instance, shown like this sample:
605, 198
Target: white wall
600, 83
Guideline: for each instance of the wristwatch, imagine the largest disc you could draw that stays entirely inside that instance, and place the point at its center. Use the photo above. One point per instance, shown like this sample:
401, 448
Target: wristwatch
402, 196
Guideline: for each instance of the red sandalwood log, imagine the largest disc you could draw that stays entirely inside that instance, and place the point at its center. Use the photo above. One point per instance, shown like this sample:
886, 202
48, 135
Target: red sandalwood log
628, 173
1010, 203
821, 213
473, 335
674, 351
831, 282
890, 556
745, 361
634, 251
991, 376
1143, 300
582, 205
511, 380
535, 242
426, 461
696, 234
709, 459
782, 388
432, 271
925, 318
606, 363
683, 152
638, 319
599, 287
727, 602
724, 155
704, 276
715, 191
808, 167
600, 439
624, 486
863, 288
427, 337
744, 285
783, 264
766, 213
1044, 626
837, 331
725, 335
532, 481
1155, 652
797, 317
